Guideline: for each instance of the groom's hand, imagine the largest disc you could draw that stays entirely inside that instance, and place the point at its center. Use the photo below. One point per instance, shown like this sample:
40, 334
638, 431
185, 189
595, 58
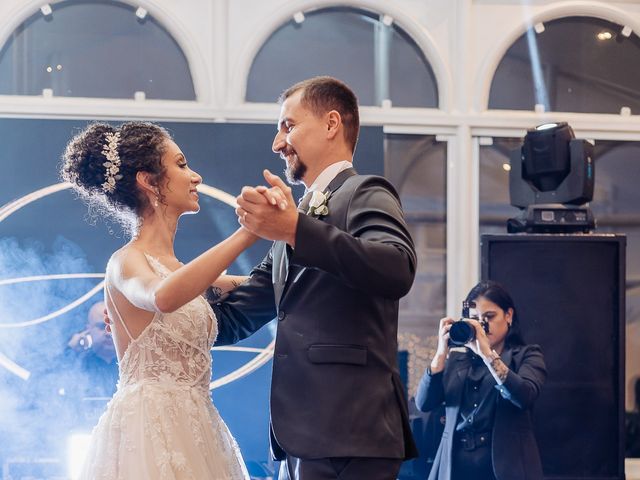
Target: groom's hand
271, 221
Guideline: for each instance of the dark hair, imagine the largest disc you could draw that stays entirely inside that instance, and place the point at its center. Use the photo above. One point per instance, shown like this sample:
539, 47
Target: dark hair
140, 148
323, 94
496, 293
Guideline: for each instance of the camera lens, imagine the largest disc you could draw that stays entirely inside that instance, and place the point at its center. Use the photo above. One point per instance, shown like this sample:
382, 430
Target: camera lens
461, 333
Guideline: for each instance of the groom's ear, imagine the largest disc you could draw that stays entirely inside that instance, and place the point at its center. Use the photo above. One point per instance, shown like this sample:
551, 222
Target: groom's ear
333, 123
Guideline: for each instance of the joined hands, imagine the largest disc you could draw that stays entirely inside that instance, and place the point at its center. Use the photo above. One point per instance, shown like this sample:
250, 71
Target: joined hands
269, 212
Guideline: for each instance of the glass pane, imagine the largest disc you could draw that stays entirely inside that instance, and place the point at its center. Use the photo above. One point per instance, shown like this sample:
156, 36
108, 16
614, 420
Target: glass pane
495, 206
578, 64
379, 62
416, 165
94, 49
615, 205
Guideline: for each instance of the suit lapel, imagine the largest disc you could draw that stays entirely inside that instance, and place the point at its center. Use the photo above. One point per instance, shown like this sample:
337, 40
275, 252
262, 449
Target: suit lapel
280, 272
337, 182
506, 357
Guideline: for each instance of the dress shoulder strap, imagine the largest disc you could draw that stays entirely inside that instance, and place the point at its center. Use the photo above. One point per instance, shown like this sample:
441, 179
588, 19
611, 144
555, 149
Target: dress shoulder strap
107, 289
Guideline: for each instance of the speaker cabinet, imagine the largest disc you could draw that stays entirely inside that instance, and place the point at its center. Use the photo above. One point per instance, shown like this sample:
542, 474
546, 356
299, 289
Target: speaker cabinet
569, 291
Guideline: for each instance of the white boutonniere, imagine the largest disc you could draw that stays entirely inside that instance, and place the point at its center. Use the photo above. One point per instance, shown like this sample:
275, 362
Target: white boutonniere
318, 204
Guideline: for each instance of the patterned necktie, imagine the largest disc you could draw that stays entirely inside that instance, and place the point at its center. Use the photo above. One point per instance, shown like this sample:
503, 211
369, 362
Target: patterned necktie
303, 205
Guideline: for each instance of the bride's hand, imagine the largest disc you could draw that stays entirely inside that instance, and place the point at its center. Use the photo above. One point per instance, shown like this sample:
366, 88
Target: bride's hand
107, 321
274, 195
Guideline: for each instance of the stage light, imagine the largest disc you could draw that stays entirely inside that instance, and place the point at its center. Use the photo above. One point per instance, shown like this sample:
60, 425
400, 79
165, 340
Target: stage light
46, 9
141, 13
298, 17
626, 31
539, 27
77, 448
139, 96
604, 35
387, 20
544, 156
551, 178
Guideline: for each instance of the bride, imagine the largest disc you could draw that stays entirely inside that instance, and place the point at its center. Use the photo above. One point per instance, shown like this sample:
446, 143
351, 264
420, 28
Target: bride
161, 423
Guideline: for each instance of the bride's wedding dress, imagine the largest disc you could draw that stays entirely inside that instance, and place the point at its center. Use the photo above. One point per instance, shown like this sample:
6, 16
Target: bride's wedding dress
161, 423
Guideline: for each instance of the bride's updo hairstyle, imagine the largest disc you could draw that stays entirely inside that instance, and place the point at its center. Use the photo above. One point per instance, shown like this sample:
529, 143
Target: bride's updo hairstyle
131, 148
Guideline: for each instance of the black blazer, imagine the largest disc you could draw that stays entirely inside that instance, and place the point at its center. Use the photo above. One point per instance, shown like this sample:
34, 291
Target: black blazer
335, 390
514, 449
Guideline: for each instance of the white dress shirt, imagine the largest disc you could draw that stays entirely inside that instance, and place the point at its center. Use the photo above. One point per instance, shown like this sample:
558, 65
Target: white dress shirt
327, 175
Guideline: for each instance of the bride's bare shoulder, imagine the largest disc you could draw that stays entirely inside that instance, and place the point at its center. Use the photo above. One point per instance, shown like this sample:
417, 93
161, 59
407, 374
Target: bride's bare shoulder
125, 260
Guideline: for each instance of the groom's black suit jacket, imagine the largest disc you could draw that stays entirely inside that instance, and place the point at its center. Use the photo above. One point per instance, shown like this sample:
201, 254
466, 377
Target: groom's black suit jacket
336, 390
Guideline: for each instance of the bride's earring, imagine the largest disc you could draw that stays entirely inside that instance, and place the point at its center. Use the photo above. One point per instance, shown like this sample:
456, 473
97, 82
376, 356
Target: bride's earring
155, 203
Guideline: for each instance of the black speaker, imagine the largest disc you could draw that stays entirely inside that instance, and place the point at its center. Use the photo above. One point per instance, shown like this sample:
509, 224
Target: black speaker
569, 291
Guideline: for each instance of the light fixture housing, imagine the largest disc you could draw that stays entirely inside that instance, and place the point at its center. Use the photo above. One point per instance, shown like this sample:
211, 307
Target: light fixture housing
552, 166
551, 179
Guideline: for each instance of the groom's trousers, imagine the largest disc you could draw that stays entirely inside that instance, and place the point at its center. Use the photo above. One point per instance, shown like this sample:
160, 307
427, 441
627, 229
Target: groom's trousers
351, 468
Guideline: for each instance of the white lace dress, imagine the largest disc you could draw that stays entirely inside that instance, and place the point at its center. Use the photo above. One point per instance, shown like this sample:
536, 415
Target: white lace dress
161, 423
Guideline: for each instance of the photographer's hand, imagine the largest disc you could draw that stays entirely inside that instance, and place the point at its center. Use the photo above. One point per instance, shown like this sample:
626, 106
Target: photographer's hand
437, 363
480, 346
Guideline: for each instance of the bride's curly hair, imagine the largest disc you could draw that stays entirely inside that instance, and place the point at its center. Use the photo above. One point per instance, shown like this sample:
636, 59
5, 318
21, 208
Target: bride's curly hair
140, 148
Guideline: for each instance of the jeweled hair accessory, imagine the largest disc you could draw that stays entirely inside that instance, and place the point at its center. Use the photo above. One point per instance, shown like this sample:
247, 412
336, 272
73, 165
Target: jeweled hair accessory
112, 165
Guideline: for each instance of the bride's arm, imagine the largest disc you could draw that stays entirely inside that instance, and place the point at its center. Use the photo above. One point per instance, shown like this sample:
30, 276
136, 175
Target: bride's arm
223, 285
133, 276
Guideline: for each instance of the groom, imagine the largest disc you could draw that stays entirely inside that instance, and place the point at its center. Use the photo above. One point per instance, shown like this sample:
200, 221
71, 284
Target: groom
332, 278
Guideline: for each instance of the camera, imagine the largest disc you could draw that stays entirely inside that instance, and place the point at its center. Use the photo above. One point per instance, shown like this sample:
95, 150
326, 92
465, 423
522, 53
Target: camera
462, 332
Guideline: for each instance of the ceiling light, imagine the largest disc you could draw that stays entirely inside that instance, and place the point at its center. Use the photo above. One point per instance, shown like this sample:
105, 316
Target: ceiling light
387, 20
604, 35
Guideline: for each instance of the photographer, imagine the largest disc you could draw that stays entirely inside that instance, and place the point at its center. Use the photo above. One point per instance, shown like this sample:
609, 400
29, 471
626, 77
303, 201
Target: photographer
488, 389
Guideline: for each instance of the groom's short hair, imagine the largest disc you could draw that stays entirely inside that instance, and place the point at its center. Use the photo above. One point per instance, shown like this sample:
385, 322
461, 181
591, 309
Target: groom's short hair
323, 94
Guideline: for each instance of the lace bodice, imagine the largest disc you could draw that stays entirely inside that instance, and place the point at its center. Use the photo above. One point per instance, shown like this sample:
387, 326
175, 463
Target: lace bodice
175, 347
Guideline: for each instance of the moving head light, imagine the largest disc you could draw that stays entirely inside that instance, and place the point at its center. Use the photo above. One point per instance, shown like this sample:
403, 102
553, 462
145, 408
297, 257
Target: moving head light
551, 178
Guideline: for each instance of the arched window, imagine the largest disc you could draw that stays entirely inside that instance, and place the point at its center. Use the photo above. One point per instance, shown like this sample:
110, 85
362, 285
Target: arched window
94, 48
574, 64
369, 52
417, 166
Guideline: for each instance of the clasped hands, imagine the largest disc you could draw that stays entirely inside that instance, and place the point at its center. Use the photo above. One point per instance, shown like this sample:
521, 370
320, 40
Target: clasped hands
269, 212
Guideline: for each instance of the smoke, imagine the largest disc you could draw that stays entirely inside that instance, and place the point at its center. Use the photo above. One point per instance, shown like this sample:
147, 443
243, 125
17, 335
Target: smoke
38, 413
